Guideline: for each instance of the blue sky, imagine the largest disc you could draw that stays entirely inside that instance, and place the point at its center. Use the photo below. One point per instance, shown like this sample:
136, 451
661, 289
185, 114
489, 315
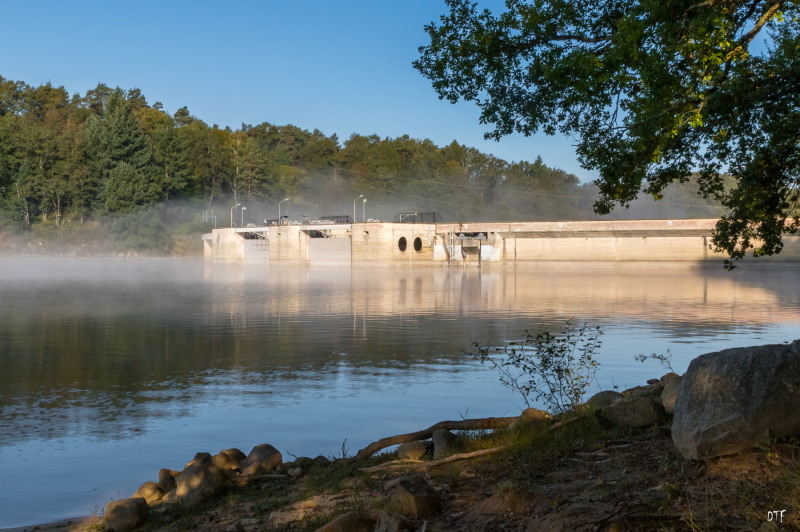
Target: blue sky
342, 67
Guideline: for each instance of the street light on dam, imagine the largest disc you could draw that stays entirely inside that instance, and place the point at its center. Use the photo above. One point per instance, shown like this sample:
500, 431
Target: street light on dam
364, 210
243, 209
232, 209
354, 207
279, 210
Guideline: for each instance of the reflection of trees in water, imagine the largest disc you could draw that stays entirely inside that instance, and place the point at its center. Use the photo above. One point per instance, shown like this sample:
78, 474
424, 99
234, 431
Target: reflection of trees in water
103, 359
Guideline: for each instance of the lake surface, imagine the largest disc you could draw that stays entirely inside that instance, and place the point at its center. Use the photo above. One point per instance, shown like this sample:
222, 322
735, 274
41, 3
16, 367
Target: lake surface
112, 369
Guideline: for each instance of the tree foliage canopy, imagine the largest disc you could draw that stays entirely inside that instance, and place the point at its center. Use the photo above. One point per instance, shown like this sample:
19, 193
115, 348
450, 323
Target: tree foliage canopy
110, 157
653, 91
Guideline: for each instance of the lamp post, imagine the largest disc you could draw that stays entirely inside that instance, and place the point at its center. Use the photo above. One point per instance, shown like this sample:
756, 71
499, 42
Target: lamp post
279, 209
232, 209
354, 207
243, 209
364, 210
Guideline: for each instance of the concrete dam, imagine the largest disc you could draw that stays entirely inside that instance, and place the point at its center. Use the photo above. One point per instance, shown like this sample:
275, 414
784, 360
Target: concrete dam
397, 244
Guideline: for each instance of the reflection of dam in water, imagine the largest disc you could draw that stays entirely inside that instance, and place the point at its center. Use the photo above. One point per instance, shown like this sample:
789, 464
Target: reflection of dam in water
701, 298
376, 243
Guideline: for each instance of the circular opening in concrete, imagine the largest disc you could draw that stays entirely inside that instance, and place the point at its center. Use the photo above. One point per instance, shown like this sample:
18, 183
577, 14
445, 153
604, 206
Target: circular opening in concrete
418, 244
402, 243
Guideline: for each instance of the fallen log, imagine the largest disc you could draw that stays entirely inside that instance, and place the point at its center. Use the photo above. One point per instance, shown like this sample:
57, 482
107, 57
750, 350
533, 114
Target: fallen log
464, 424
400, 464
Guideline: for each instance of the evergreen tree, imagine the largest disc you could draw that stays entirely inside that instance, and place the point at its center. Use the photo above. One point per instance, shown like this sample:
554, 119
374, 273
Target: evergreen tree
120, 159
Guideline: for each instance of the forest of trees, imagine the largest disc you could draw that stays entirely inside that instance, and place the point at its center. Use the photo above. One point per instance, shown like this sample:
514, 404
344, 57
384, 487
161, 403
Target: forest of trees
109, 158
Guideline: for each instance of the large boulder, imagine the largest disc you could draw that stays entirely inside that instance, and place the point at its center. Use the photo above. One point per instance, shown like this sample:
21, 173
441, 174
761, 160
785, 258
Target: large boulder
736, 399
414, 450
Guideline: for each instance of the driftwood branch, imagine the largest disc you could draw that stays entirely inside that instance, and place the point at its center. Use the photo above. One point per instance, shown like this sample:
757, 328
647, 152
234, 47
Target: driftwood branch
464, 424
401, 464
565, 422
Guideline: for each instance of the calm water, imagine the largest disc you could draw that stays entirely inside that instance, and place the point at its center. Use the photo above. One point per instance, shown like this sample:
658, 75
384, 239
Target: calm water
113, 369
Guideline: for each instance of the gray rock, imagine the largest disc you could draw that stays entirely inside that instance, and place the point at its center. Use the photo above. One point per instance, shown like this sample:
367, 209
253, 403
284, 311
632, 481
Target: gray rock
443, 442
736, 399
414, 450
350, 522
263, 458
199, 457
603, 399
150, 492
414, 497
635, 411
199, 481
166, 479
651, 390
126, 514
295, 472
669, 395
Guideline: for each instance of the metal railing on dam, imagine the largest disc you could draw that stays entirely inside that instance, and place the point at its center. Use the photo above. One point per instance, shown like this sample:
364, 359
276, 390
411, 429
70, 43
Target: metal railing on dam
390, 243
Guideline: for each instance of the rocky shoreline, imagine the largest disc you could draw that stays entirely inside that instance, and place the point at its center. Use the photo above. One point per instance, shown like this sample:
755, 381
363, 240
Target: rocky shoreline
623, 461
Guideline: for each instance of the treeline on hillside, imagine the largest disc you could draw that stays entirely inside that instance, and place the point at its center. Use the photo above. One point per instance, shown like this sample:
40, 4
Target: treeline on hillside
112, 157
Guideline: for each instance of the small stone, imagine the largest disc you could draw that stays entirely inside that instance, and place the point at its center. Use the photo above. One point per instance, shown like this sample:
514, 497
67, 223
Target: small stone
651, 390
534, 414
235, 454
669, 396
199, 481
603, 399
198, 457
126, 514
166, 479
295, 472
635, 411
414, 497
414, 450
322, 460
150, 492
228, 459
263, 458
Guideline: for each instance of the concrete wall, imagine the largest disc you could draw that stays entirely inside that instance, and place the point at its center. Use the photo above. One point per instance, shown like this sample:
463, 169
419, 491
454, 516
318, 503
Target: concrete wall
330, 250
476, 243
390, 243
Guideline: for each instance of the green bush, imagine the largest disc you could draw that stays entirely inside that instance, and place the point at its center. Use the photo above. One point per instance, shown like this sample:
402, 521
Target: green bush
555, 368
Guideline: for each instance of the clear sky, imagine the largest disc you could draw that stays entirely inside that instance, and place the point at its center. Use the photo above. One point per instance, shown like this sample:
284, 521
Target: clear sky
339, 66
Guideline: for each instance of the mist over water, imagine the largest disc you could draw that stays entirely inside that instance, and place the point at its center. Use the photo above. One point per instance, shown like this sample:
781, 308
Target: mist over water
115, 368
